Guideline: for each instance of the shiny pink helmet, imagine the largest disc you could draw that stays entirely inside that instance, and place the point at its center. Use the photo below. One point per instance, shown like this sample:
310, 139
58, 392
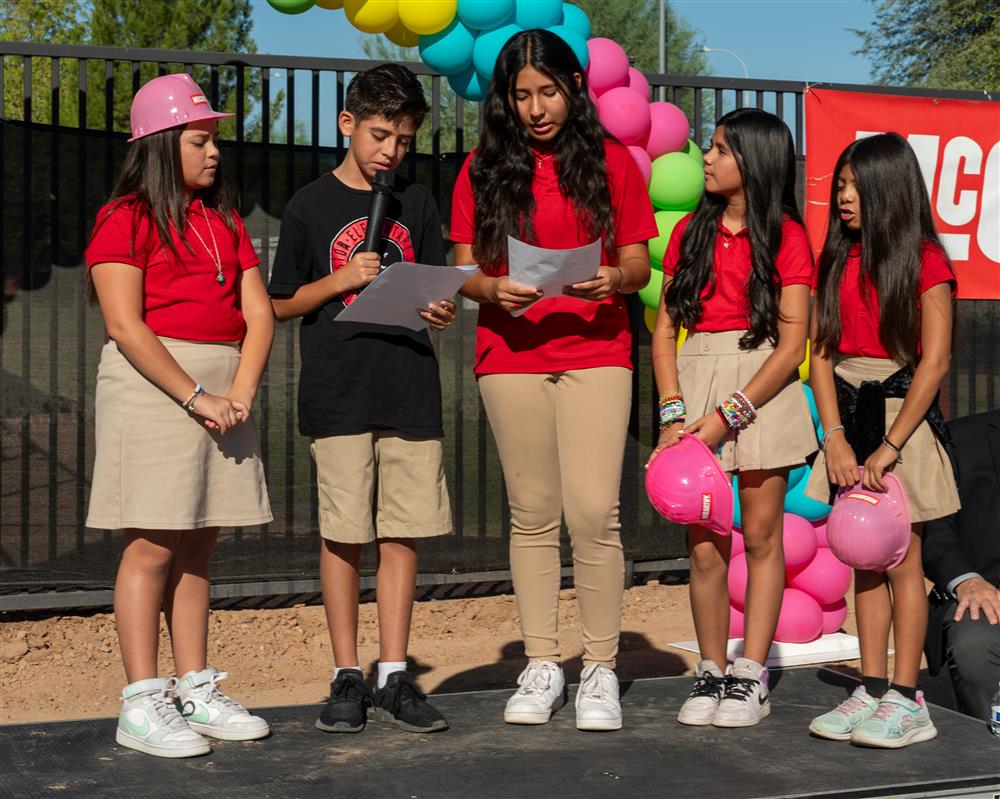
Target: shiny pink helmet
167, 102
686, 484
868, 529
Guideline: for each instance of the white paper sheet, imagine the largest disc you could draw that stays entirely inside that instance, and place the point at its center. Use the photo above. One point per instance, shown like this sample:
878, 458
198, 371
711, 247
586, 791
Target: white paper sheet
551, 270
403, 289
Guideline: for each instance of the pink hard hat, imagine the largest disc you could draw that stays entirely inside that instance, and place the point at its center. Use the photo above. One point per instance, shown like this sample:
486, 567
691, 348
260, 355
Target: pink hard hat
168, 101
868, 529
686, 484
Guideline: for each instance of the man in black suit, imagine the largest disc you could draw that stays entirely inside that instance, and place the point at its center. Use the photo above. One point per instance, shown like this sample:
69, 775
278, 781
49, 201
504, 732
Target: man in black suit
961, 554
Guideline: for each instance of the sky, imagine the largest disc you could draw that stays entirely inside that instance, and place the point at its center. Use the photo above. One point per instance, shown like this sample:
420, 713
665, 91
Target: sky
777, 39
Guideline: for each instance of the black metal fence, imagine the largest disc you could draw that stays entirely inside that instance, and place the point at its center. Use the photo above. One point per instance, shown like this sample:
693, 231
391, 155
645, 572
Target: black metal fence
62, 136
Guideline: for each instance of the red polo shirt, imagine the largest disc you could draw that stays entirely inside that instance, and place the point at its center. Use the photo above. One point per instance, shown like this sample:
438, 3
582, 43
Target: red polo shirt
859, 313
724, 305
560, 333
181, 299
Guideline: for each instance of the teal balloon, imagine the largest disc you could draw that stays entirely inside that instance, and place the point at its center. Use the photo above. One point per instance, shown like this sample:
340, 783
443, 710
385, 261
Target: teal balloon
577, 42
291, 6
576, 18
677, 182
469, 85
665, 222
795, 476
650, 293
798, 503
488, 46
737, 514
813, 410
483, 15
538, 13
449, 51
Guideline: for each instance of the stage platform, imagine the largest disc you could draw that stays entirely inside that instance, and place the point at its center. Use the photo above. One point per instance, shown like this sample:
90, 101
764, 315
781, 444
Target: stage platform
481, 757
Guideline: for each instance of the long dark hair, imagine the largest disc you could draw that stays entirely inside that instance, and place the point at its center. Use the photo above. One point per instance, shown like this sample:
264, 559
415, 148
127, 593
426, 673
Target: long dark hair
765, 154
503, 166
896, 224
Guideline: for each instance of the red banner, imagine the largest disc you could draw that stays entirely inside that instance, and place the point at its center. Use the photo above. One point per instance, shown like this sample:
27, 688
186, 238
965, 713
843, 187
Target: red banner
957, 143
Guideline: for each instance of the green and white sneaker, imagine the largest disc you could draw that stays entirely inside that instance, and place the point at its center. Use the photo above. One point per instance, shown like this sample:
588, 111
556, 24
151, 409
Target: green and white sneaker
211, 712
839, 723
897, 722
149, 722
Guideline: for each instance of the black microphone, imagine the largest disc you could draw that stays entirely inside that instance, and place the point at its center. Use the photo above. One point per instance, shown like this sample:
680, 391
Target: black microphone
379, 204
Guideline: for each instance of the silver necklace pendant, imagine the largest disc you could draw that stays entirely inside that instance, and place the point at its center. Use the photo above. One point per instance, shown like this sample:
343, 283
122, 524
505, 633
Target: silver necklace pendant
220, 278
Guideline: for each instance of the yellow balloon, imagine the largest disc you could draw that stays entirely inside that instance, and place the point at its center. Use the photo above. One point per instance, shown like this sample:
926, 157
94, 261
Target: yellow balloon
403, 36
649, 316
372, 16
682, 335
425, 17
330, 5
804, 366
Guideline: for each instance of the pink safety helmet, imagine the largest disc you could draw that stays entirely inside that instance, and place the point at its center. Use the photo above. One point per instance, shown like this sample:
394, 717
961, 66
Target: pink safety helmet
686, 484
168, 101
868, 529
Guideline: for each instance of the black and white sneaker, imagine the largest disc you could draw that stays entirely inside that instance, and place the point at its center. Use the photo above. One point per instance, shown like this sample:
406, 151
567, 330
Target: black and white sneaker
699, 708
403, 704
347, 707
745, 701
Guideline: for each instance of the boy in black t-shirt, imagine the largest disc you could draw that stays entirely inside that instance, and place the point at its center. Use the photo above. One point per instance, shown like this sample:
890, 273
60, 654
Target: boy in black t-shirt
369, 395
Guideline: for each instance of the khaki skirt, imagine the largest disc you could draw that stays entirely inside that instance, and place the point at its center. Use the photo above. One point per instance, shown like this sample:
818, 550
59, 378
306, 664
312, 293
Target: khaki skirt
710, 367
158, 468
925, 472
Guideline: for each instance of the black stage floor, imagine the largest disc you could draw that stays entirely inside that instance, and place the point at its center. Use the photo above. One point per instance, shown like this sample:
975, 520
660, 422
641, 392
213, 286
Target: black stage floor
481, 757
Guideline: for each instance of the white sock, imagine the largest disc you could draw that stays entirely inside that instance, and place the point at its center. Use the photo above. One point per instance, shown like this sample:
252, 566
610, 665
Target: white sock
337, 670
385, 668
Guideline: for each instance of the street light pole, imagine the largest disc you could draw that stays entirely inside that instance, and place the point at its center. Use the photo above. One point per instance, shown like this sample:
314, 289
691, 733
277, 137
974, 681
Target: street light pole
727, 52
663, 45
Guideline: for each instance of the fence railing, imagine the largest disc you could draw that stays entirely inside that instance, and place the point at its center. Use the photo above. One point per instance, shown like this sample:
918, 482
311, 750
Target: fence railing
63, 123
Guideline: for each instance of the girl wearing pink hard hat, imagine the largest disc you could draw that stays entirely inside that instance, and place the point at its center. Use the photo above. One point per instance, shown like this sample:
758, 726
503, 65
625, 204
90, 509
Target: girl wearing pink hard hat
882, 344
190, 329
737, 274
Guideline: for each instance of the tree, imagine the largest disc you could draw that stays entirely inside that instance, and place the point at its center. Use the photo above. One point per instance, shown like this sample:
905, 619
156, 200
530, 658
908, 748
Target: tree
951, 44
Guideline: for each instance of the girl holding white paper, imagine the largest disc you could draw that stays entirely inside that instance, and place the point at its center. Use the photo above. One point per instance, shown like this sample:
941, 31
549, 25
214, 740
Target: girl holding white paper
556, 380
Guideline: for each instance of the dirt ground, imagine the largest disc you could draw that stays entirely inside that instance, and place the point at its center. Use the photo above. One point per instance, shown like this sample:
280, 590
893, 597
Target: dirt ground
67, 667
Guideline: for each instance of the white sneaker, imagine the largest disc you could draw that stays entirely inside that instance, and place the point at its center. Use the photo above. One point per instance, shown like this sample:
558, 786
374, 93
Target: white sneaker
709, 684
211, 712
744, 702
542, 691
597, 705
149, 722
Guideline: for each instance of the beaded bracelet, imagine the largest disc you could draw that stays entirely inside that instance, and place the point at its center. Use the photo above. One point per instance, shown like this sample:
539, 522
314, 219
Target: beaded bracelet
737, 411
672, 409
188, 404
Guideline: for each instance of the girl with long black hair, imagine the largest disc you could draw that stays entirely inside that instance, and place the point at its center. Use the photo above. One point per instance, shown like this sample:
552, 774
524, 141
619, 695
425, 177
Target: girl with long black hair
737, 274
556, 381
881, 348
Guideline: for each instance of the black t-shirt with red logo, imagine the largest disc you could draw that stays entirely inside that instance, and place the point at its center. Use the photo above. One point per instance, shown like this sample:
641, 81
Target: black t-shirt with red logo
359, 377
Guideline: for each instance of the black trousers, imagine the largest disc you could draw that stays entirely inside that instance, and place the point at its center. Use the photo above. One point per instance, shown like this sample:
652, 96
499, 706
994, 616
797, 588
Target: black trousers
972, 652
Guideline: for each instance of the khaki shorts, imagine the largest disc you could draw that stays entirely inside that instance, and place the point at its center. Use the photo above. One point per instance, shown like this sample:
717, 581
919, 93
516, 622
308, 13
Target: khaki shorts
925, 470
380, 484
710, 367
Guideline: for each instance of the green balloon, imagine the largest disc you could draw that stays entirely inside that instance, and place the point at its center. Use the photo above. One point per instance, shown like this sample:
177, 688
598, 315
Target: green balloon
677, 182
291, 6
665, 221
650, 293
693, 150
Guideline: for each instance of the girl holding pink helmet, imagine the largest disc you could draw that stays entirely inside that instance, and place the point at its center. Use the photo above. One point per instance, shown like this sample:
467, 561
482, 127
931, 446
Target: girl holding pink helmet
882, 344
737, 274
190, 328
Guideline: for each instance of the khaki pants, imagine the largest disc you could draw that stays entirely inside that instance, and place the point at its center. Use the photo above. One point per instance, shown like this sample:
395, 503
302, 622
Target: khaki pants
561, 438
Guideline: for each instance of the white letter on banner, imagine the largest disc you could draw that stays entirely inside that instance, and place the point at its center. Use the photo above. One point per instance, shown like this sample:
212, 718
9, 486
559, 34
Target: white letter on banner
960, 210
988, 234
926, 148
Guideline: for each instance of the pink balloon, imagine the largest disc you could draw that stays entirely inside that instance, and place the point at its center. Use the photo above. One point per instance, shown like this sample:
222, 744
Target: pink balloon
642, 161
637, 82
834, 615
824, 578
625, 114
820, 528
739, 543
800, 620
738, 581
668, 129
799, 540
736, 621
608, 67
